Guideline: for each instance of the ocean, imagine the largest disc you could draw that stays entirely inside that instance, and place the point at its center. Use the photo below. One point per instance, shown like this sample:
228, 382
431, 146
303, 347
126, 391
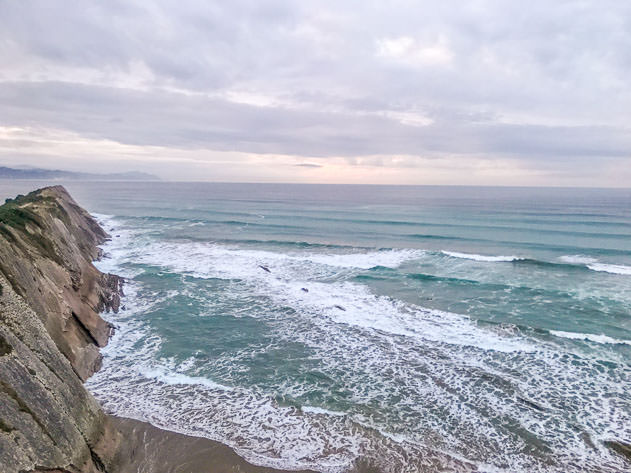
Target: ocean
416, 328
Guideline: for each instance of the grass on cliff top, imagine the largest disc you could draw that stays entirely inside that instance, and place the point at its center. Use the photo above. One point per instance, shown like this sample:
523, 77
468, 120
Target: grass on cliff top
31, 197
16, 217
14, 214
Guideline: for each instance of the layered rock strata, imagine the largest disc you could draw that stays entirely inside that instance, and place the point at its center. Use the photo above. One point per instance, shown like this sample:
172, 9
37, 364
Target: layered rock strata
50, 333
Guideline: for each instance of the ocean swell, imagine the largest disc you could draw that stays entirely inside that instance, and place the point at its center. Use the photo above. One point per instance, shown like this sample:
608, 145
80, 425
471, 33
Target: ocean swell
341, 371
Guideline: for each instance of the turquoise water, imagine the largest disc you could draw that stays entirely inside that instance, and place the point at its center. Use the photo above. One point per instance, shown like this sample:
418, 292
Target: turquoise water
482, 329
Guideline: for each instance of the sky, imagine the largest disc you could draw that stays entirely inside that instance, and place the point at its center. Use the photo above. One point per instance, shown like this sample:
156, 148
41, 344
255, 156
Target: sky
479, 92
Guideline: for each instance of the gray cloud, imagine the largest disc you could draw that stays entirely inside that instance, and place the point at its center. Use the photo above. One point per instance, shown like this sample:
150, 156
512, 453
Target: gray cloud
169, 119
538, 82
308, 165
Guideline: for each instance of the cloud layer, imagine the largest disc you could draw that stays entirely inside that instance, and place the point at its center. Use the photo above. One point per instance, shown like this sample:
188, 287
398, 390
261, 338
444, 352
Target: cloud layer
404, 91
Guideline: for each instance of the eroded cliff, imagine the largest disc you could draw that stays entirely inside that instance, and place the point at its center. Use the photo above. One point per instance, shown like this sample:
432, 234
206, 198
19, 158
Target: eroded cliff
50, 334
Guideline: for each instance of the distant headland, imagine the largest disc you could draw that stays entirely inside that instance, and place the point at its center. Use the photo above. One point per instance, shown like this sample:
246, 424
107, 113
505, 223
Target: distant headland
58, 174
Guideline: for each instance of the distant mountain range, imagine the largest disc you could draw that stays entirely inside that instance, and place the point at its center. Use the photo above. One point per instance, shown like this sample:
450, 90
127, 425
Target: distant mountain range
56, 174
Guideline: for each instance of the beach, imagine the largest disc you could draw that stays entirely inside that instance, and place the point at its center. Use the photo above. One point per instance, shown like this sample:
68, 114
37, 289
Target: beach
148, 449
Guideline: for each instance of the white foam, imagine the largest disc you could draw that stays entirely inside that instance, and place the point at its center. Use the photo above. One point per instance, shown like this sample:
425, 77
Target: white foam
482, 258
101, 217
319, 410
170, 378
577, 259
387, 259
436, 368
594, 265
604, 339
196, 258
359, 306
117, 249
354, 304
611, 268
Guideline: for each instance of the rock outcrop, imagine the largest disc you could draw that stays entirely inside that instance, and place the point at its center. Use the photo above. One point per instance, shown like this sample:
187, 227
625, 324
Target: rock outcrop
621, 448
50, 333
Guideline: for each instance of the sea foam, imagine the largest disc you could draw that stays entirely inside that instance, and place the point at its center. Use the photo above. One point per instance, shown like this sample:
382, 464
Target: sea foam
611, 268
482, 258
341, 302
603, 339
595, 265
432, 365
171, 378
577, 259
319, 410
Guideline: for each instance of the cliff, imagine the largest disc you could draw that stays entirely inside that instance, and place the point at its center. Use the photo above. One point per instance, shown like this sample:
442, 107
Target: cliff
50, 333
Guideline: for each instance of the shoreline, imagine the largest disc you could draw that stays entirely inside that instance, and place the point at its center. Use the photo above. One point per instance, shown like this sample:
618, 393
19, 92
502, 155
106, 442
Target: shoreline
174, 451
51, 334
165, 451
160, 450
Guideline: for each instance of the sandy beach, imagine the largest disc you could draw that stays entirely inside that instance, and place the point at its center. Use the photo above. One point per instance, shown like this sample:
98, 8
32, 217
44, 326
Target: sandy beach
148, 449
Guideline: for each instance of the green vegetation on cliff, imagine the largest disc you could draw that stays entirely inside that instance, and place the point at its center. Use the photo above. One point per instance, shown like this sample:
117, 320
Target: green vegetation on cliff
20, 214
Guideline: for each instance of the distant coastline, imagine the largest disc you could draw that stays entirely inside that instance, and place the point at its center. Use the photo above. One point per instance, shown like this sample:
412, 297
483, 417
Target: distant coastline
58, 174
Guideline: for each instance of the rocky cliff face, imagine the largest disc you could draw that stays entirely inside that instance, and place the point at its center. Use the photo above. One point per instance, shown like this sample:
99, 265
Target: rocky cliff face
50, 334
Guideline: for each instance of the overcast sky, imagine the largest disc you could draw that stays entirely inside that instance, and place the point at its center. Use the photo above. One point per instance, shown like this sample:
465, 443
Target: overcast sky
412, 92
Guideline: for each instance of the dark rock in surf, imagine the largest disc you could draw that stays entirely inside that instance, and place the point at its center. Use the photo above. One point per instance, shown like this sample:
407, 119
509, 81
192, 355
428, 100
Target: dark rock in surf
621, 448
531, 404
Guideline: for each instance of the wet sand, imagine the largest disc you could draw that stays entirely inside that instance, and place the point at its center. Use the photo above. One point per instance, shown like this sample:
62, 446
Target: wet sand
148, 449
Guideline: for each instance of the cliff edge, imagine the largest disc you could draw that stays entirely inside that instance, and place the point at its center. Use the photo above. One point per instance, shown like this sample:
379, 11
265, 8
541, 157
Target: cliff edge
50, 333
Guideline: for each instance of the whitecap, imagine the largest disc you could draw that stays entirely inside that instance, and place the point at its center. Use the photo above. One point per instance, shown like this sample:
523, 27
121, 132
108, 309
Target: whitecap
387, 259
173, 378
482, 258
603, 339
320, 410
577, 259
340, 302
611, 268
194, 258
